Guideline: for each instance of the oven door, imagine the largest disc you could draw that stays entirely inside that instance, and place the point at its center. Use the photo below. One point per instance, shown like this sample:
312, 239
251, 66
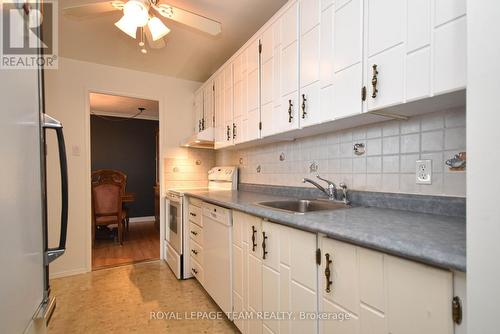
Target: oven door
175, 223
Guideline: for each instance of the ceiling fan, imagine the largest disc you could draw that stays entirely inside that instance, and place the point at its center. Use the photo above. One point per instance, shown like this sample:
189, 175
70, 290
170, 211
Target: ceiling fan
141, 14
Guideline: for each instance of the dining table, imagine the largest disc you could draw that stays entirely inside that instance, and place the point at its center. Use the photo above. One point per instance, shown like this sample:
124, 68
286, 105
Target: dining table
127, 199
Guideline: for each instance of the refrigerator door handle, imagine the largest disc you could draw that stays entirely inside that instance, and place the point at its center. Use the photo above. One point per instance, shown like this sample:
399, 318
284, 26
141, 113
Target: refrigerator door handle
51, 123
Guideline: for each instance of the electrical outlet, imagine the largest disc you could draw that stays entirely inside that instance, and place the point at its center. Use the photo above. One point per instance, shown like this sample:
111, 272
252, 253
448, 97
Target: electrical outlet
423, 172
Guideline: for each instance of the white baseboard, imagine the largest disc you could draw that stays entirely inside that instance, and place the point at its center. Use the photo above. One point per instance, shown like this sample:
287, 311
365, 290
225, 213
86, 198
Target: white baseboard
142, 219
68, 273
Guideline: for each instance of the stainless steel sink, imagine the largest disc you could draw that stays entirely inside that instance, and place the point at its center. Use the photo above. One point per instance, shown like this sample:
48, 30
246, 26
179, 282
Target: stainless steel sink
302, 206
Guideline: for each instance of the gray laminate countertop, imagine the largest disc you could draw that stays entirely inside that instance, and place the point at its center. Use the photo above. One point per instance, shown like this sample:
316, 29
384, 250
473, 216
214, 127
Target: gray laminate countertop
427, 238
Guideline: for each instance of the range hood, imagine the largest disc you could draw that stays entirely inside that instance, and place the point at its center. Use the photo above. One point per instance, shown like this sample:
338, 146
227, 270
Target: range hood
203, 139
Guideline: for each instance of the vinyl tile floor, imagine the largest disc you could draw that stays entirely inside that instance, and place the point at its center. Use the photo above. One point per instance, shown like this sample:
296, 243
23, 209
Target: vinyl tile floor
123, 300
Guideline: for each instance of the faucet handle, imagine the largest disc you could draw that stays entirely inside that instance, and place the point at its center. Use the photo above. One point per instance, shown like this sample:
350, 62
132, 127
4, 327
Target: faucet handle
343, 186
330, 183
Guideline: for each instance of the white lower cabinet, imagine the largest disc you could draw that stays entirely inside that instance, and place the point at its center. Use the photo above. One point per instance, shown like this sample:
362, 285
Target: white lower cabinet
276, 273
353, 290
382, 293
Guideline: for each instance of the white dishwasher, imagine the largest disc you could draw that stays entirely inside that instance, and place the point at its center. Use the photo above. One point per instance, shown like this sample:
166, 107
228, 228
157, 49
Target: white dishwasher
217, 240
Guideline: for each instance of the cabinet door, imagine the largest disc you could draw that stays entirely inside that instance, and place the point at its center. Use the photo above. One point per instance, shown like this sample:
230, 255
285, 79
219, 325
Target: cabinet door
386, 32
198, 110
219, 111
288, 116
269, 81
418, 298
254, 233
240, 269
312, 34
271, 273
341, 259
228, 104
347, 53
253, 92
303, 283
340, 292
208, 105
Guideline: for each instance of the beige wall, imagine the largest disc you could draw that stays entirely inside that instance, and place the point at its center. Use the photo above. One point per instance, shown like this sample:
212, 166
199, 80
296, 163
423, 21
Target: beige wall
66, 97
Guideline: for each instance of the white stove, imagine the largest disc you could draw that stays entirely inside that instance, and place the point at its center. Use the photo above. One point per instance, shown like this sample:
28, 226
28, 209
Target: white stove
176, 229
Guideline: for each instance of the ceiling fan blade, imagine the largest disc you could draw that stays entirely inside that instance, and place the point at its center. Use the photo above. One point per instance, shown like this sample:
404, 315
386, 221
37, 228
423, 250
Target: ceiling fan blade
158, 44
190, 19
90, 9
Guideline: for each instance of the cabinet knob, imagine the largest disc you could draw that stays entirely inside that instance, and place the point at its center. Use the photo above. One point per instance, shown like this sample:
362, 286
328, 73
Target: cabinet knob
374, 81
194, 233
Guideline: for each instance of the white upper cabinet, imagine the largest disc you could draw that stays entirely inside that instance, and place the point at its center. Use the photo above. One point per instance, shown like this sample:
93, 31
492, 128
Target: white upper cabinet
198, 110
221, 120
347, 58
270, 79
414, 49
287, 116
316, 61
386, 23
208, 105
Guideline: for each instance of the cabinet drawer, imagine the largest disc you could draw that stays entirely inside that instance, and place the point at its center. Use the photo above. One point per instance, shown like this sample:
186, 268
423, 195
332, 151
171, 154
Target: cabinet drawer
194, 214
196, 251
196, 233
197, 270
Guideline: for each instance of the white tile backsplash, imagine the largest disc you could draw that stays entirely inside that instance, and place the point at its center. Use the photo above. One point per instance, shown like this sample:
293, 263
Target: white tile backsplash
388, 165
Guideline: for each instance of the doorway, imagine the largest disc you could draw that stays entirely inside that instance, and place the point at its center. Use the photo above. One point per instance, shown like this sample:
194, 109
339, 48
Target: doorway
124, 135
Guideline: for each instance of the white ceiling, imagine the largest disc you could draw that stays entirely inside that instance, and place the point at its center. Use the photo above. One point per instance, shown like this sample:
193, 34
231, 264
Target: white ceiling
189, 54
122, 106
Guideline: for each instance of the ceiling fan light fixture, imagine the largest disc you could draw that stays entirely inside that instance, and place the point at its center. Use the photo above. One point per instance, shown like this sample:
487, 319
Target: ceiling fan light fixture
128, 26
157, 28
137, 11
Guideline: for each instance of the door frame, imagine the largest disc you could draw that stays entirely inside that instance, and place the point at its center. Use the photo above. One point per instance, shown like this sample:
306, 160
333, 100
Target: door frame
88, 162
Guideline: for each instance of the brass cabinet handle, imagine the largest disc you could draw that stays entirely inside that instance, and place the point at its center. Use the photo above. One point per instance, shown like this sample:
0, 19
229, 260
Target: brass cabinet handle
328, 273
192, 214
194, 251
374, 81
199, 125
203, 123
254, 244
264, 252
234, 130
194, 233
228, 133
194, 271
304, 112
290, 105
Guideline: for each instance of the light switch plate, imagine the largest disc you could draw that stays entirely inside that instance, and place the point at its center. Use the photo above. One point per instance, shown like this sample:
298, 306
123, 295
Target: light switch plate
423, 171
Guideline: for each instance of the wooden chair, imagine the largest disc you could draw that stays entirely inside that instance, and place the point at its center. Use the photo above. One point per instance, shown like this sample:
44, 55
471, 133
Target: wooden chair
102, 174
108, 188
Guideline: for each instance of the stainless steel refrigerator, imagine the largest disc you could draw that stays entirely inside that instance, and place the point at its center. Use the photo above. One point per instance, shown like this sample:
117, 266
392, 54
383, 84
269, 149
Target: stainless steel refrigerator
26, 302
